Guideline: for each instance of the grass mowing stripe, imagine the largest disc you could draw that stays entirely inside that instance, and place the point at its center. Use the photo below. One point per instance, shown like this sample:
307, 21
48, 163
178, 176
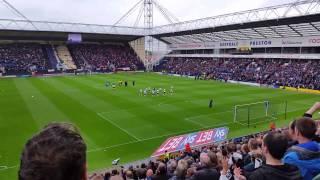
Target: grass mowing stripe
35, 102
122, 129
16, 126
79, 114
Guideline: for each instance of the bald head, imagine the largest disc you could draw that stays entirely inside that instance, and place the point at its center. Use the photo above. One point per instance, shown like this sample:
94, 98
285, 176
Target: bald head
149, 173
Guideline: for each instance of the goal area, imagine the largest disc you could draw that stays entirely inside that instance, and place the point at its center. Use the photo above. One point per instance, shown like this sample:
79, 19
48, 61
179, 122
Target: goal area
258, 112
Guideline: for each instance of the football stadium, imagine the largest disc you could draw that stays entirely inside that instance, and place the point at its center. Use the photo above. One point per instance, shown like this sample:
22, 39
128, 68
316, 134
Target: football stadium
231, 96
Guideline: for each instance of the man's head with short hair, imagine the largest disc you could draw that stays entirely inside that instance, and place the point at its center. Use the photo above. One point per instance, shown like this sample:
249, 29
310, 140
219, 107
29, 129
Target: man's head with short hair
213, 159
253, 144
115, 172
275, 144
172, 165
231, 148
182, 168
306, 128
56, 152
161, 170
205, 160
129, 174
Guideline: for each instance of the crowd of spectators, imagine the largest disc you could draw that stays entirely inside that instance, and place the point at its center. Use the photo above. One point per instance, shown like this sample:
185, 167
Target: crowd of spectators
58, 152
288, 72
24, 58
20, 58
105, 57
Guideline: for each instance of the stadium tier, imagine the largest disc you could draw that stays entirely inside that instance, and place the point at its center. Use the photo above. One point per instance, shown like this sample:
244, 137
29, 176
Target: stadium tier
278, 72
23, 59
108, 57
229, 97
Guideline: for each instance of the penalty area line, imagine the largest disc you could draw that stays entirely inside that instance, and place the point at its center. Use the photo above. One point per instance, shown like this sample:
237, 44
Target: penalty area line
189, 119
116, 125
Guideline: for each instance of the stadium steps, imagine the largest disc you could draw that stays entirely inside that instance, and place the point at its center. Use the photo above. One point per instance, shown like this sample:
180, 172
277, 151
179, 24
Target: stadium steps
65, 56
78, 59
138, 49
49, 50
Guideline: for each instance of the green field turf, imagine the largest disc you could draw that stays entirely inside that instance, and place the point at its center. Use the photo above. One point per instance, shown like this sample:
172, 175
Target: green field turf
120, 123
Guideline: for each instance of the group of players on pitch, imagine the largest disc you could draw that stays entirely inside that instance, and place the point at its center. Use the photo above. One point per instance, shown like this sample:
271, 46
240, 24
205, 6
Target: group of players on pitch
155, 91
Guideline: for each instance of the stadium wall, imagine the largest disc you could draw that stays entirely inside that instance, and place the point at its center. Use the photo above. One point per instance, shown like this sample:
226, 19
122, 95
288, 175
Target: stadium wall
311, 41
264, 56
303, 90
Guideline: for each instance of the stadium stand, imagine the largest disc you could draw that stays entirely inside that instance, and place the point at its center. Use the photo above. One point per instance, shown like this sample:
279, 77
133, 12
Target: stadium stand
280, 72
19, 58
105, 57
22, 58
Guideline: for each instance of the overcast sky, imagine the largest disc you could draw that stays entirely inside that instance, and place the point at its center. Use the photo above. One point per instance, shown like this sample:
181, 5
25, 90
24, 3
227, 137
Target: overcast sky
109, 11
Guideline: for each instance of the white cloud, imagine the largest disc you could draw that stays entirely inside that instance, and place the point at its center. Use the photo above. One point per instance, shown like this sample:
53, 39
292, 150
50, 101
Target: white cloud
109, 11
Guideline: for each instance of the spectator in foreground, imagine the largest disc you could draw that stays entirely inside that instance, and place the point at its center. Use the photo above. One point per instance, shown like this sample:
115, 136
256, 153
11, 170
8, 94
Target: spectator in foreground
255, 155
306, 154
149, 174
181, 170
161, 173
129, 175
274, 168
206, 172
58, 152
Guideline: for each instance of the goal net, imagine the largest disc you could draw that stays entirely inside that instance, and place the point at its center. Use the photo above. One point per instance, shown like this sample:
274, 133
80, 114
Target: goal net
254, 113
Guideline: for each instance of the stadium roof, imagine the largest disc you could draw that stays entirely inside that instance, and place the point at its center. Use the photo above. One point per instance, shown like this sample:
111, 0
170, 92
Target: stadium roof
295, 9
308, 25
300, 18
25, 25
63, 36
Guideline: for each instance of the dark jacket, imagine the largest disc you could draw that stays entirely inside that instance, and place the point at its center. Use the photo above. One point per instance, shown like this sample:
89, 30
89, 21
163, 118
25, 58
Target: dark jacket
206, 174
160, 177
282, 172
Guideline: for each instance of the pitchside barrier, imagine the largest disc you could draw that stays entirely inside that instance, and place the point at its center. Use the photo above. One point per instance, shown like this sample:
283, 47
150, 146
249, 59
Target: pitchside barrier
303, 90
259, 112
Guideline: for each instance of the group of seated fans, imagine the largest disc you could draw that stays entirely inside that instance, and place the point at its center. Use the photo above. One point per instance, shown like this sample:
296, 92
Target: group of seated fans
105, 57
58, 152
22, 58
288, 72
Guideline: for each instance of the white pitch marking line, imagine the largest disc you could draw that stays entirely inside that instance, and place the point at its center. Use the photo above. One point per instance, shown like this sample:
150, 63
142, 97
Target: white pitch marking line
3, 168
127, 132
196, 122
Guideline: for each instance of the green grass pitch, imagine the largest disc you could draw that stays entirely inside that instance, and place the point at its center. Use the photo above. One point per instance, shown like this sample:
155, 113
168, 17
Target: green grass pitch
120, 123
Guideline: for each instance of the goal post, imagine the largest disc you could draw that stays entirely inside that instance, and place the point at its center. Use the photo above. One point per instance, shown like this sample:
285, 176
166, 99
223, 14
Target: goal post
258, 112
